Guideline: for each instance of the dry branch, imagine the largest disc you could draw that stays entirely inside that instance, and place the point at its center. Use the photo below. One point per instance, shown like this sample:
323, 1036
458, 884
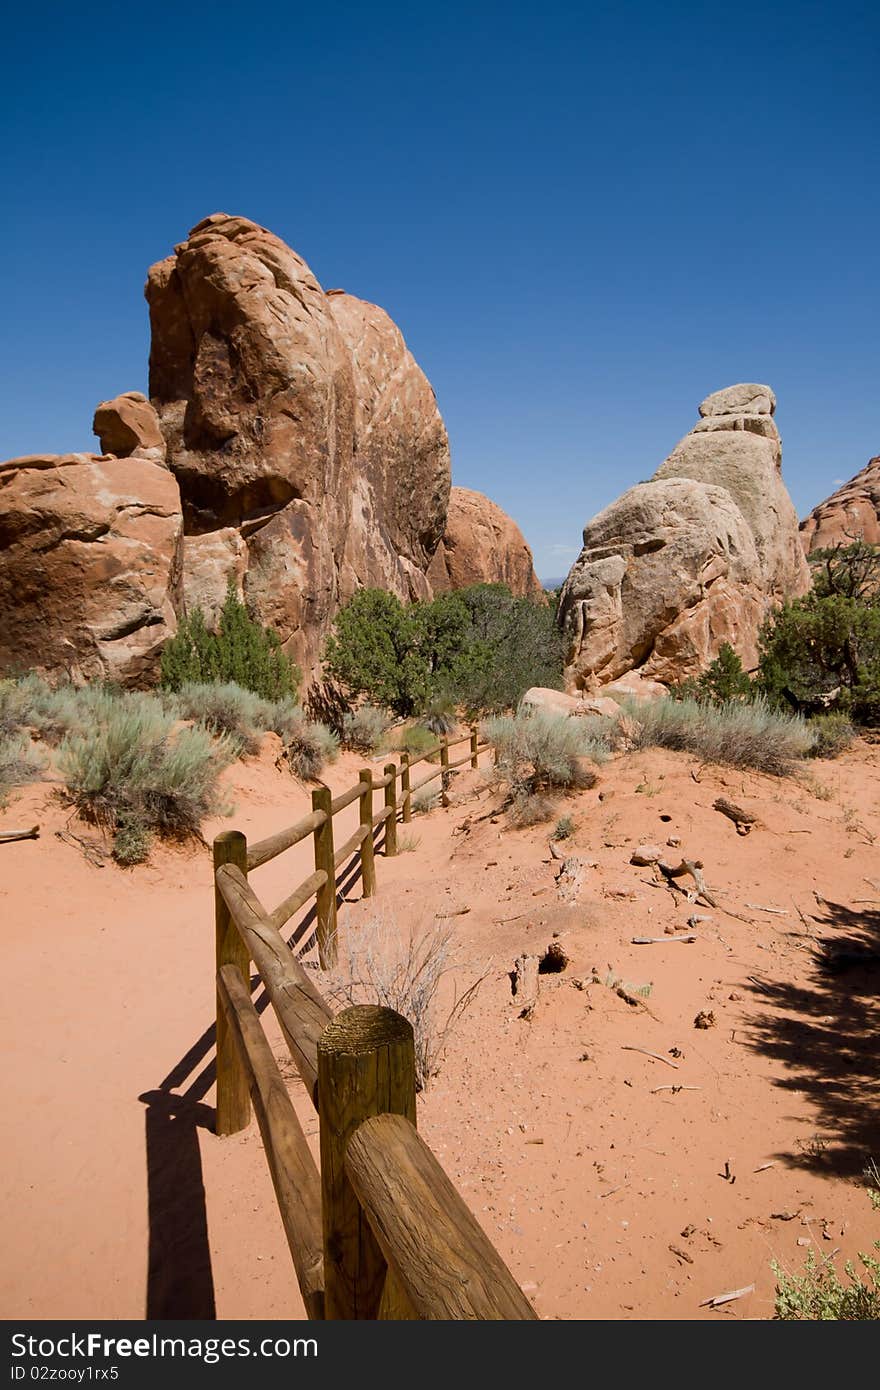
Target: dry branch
7, 835
655, 1056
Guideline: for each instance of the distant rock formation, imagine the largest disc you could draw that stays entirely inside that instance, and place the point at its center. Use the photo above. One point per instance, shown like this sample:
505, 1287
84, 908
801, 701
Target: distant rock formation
291, 443
851, 513
90, 566
694, 558
482, 545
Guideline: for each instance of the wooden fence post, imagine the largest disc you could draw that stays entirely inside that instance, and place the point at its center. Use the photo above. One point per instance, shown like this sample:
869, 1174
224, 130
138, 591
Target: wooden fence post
475, 739
326, 895
233, 1091
405, 793
366, 1067
368, 858
391, 806
444, 775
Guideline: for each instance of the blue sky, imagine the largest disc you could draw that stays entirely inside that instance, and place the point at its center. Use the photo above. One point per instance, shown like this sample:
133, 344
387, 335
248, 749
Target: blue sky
583, 217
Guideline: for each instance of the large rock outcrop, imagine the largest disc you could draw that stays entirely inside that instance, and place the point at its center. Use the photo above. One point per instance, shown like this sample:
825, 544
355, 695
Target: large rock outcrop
692, 559
90, 566
482, 545
298, 418
291, 444
852, 513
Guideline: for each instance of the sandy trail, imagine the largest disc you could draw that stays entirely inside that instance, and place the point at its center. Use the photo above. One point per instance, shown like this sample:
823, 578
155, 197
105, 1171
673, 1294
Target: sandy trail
608, 1200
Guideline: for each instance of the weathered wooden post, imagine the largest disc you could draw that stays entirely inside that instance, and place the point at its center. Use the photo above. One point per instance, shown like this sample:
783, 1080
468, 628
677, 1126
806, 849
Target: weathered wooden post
475, 740
233, 1091
366, 1067
368, 857
326, 895
405, 793
444, 775
391, 808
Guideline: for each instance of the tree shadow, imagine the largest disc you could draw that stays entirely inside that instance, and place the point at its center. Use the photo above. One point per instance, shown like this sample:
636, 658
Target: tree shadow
826, 1034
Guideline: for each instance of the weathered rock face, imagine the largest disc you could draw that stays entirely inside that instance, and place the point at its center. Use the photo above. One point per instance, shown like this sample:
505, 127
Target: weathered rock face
692, 559
90, 558
129, 425
301, 420
482, 545
852, 513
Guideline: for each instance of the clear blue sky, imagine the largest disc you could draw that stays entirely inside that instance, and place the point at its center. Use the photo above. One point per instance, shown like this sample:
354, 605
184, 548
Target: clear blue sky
583, 217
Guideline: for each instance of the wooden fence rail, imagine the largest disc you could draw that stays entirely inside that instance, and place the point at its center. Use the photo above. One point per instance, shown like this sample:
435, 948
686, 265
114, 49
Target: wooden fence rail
379, 1231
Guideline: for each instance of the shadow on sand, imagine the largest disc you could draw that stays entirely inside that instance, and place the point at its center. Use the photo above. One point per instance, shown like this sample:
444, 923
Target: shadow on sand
180, 1282
826, 1033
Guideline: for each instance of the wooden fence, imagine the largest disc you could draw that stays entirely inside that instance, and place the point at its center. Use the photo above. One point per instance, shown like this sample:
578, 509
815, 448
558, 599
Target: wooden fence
379, 1231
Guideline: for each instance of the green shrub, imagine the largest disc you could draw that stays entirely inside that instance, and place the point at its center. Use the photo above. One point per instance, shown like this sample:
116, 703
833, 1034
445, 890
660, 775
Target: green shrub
373, 651
19, 763
832, 733
425, 801
240, 650
819, 1294
721, 683
823, 651
416, 740
132, 773
738, 735
364, 728
479, 648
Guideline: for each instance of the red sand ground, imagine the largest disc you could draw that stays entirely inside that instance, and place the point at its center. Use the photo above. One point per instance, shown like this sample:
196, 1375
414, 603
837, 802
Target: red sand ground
608, 1198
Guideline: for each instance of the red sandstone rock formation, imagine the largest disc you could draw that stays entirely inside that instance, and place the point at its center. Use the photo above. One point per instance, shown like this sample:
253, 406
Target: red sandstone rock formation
482, 545
852, 513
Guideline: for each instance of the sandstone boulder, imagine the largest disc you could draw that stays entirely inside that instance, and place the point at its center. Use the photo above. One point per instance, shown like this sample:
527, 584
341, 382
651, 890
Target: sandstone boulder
694, 558
541, 698
90, 564
129, 425
482, 545
852, 513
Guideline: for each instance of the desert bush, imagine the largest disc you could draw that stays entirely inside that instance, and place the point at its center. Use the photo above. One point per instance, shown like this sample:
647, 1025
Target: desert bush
134, 773
424, 801
819, 1293
529, 808
226, 708
563, 828
241, 650
738, 735
382, 962
832, 733
307, 746
21, 703
539, 751
363, 728
20, 762
439, 717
